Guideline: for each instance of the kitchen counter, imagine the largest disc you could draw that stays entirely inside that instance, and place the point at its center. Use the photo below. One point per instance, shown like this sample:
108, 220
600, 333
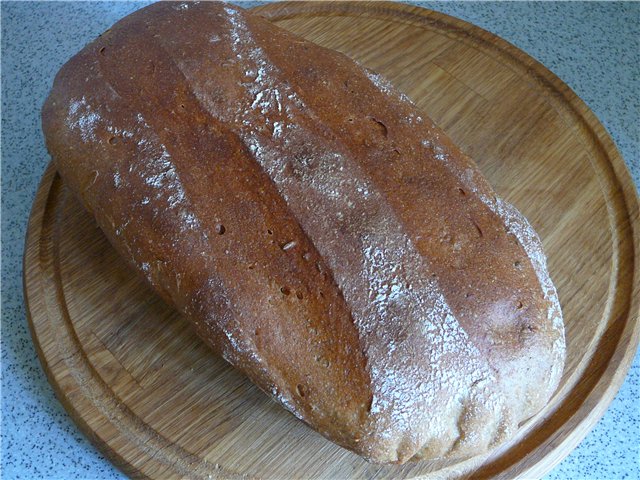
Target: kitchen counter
593, 47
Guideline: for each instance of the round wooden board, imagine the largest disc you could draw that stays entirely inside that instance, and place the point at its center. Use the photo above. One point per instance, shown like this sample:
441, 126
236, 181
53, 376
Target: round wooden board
159, 404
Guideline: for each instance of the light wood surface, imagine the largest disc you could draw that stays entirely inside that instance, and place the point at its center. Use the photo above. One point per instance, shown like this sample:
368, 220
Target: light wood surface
159, 404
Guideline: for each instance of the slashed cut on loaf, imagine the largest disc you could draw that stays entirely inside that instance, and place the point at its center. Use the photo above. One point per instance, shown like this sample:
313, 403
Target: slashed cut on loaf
318, 230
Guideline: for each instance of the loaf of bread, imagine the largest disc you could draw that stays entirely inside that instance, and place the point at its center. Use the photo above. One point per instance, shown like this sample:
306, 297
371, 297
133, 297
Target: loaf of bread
318, 230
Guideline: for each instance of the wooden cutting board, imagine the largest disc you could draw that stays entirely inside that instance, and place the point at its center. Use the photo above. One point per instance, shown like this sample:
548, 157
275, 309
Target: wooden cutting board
159, 404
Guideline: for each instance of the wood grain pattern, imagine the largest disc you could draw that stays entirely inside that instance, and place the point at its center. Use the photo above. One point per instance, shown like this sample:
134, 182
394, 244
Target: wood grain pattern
159, 404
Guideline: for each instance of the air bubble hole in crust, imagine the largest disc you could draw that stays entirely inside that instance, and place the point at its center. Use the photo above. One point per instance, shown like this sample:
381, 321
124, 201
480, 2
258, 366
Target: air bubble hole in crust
478, 229
220, 229
322, 361
285, 290
384, 131
300, 390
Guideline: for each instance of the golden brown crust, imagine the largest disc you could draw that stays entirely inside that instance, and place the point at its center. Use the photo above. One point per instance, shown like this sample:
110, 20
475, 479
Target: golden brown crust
320, 233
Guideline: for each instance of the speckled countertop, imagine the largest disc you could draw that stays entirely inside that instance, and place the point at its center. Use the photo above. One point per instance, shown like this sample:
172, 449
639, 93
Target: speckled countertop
594, 47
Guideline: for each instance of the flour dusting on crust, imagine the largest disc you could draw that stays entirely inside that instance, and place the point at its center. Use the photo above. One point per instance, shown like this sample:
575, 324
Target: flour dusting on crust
83, 118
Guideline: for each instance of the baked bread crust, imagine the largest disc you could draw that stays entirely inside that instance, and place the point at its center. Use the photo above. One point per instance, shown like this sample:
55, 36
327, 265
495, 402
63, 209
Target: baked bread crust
319, 231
